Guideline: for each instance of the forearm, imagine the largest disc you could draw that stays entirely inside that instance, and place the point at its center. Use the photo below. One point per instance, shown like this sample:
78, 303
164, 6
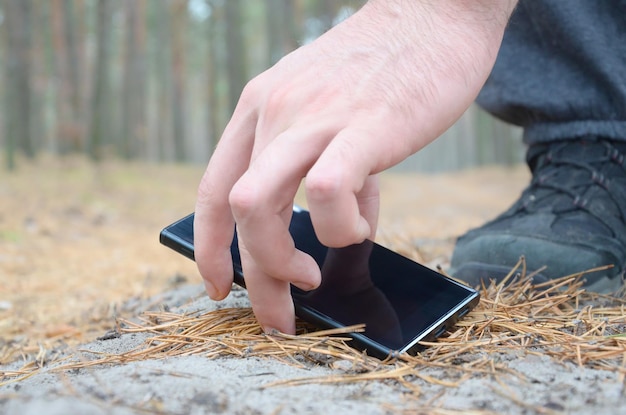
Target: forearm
494, 12
427, 46
481, 20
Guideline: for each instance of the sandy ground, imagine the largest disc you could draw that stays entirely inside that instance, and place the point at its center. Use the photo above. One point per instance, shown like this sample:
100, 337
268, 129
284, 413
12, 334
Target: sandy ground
198, 385
78, 247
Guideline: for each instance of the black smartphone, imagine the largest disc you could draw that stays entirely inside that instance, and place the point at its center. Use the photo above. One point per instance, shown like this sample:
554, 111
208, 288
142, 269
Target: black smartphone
401, 302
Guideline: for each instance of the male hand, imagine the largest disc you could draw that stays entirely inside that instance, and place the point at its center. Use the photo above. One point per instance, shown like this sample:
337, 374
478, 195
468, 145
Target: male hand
361, 98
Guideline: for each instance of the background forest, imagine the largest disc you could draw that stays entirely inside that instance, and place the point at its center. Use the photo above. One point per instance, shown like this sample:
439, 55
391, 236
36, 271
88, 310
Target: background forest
157, 80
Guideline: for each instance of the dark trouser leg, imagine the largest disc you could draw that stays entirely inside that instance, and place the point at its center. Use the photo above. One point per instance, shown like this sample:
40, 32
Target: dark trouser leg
561, 74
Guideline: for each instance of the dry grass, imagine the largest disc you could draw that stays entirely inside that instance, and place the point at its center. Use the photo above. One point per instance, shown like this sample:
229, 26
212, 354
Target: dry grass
558, 319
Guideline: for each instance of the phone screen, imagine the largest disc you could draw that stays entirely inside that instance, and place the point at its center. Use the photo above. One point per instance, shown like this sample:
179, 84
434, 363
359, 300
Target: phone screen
400, 301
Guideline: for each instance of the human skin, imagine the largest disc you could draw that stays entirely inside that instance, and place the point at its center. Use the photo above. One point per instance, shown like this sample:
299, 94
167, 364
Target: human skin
334, 113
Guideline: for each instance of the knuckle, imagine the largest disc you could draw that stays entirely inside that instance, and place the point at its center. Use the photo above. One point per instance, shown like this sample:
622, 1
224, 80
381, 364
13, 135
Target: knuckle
251, 92
278, 104
277, 100
243, 199
322, 186
251, 89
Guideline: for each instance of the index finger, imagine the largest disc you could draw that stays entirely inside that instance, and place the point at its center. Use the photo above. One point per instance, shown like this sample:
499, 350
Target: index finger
213, 222
262, 201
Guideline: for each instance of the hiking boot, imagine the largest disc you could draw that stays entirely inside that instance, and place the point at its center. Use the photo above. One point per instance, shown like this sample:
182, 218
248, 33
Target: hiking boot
571, 218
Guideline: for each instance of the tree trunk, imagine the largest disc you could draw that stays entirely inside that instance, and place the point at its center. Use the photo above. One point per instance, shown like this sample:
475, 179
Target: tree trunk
18, 83
38, 79
8, 88
141, 74
100, 114
274, 30
68, 77
235, 52
292, 21
133, 99
179, 13
75, 73
213, 113
163, 76
328, 12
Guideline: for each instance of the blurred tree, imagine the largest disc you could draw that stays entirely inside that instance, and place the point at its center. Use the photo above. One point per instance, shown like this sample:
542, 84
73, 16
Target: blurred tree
284, 28
17, 131
39, 77
212, 74
100, 111
68, 71
134, 90
179, 22
157, 78
328, 12
160, 33
235, 52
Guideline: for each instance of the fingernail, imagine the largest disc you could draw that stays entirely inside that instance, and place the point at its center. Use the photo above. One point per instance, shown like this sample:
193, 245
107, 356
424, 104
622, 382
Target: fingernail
210, 289
364, 229
305, 286
270, 331
290, 329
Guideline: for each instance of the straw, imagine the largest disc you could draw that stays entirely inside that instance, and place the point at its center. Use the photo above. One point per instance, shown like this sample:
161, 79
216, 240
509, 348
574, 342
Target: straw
557, 319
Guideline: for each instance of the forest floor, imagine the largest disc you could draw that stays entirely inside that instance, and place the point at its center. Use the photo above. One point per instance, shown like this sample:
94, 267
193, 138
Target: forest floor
79, 249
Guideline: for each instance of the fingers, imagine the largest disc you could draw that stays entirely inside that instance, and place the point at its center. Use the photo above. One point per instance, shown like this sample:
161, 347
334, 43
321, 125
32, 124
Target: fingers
342, 194
262, 201
343, 198
213, 222
268, 241
270, 297
368, 201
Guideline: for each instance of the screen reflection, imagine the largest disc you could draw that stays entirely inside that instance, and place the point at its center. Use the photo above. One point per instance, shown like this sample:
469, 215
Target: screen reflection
348, 293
